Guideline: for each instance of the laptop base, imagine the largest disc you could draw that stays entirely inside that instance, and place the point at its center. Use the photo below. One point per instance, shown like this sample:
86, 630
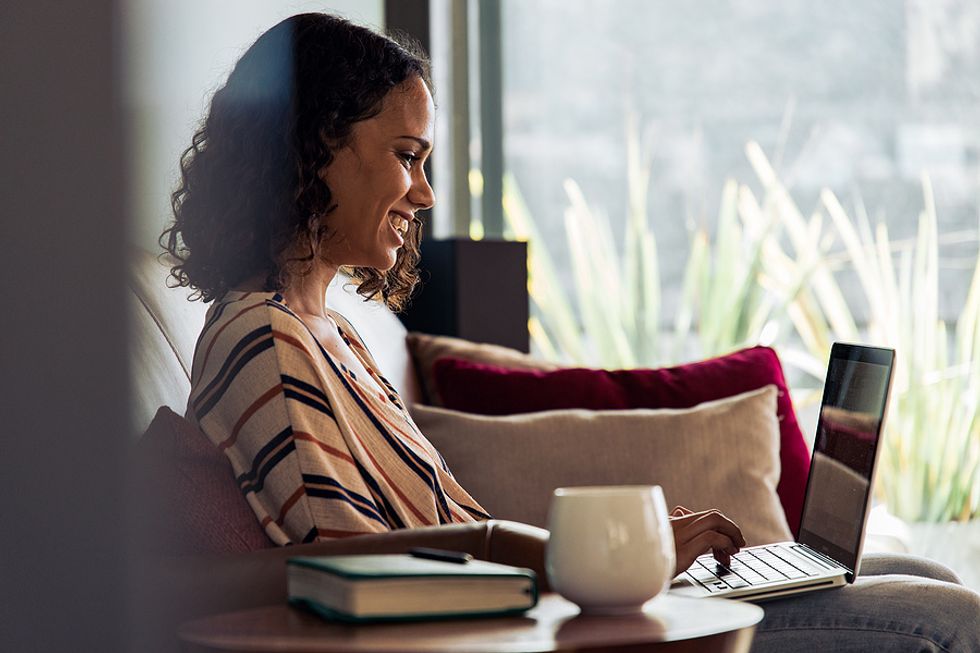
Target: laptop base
761, 572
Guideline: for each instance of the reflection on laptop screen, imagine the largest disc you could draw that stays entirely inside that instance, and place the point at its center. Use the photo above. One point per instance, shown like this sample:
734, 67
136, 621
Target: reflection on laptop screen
844, 451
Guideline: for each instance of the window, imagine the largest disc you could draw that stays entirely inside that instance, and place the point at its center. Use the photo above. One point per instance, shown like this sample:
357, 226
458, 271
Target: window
794, 173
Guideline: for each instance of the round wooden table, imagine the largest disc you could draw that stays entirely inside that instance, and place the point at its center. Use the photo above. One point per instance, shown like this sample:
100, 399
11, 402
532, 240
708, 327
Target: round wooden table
667, 624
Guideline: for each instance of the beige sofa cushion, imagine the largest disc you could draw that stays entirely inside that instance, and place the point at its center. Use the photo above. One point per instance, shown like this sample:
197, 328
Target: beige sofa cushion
163, 331
721, 454
157, 376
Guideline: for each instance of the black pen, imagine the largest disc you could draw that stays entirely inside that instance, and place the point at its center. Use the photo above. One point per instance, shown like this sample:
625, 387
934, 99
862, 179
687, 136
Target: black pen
458, 557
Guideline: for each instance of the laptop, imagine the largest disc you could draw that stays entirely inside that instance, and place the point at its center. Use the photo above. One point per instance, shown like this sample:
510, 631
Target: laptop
827, 552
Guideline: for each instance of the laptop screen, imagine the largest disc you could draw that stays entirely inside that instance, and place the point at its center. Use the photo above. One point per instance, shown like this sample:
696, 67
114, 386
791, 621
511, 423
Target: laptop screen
845, 450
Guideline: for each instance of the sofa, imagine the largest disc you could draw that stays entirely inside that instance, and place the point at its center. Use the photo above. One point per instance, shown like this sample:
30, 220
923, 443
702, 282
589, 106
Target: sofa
187, 564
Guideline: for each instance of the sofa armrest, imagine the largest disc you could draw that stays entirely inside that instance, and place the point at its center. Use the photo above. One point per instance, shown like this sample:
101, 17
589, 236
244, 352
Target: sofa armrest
519, 545
171, 590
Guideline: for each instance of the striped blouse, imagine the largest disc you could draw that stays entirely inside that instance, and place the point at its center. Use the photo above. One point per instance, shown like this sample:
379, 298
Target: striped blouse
317, 453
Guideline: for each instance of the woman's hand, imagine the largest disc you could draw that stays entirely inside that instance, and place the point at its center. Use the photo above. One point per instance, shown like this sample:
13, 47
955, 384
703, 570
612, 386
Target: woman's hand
695, 533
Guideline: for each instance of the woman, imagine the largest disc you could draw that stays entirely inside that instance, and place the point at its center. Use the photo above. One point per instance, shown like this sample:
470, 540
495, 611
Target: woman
311, 160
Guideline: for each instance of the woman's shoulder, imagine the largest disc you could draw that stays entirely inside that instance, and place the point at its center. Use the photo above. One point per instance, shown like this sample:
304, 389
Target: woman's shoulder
243, 310
240, 319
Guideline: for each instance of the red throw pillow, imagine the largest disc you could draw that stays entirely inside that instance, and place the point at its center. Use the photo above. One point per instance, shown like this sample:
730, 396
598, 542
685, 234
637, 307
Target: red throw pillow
491, 390
187, 499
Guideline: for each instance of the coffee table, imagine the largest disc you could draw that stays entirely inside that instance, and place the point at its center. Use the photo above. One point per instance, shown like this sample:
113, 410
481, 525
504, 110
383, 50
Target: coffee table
667, 624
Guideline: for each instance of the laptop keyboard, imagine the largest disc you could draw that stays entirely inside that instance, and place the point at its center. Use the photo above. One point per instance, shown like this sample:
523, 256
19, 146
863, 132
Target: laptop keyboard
755, 566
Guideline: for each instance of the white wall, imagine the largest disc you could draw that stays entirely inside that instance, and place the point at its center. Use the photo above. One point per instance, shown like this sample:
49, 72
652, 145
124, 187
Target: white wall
176, 54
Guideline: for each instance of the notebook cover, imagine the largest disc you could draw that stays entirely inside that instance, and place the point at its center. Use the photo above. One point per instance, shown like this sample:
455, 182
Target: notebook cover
366, 568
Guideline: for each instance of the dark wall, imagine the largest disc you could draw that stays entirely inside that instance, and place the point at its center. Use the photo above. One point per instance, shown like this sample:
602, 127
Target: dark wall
62, 351
472, 289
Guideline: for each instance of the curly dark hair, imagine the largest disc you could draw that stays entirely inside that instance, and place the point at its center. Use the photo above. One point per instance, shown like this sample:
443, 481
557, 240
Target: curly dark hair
251, 195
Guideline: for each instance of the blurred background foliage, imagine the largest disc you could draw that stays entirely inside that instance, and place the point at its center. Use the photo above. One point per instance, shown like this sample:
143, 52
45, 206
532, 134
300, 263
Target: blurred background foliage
770, 275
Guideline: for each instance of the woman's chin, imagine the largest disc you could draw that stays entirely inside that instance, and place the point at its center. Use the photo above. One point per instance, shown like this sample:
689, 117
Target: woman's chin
382, 261
387, 262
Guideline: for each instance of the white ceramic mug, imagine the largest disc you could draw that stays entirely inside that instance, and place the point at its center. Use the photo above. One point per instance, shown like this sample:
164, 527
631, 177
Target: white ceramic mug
611, 548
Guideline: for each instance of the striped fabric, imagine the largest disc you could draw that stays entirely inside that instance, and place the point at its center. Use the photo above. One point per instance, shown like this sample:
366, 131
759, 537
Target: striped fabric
317, 453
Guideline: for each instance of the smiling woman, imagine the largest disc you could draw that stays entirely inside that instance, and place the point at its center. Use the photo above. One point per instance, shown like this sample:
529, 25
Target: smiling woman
290, 150
310, 161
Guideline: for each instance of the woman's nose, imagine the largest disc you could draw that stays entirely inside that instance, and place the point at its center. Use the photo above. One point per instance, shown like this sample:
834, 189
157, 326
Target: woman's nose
421, 193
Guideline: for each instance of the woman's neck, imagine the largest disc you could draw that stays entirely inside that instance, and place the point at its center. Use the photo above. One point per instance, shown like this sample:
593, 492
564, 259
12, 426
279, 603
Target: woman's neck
307, 294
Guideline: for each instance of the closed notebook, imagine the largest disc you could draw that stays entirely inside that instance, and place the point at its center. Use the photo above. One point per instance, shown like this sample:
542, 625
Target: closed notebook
403, 587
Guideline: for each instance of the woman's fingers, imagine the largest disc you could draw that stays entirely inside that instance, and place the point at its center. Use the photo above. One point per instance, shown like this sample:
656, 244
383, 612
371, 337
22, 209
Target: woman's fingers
680, 511
695, 533
713, 520
689, 550
720, 545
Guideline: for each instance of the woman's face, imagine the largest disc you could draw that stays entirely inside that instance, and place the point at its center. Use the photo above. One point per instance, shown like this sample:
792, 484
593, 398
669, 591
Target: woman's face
378, 182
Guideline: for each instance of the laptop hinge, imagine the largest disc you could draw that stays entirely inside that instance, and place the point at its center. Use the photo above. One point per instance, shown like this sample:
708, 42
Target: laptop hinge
813, 553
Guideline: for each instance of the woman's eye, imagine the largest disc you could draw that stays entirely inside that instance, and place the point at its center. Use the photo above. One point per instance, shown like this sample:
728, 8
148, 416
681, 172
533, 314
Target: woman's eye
408, 158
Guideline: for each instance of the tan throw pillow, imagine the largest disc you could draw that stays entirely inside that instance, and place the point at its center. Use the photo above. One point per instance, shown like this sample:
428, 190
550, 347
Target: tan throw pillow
427, 349
721, 454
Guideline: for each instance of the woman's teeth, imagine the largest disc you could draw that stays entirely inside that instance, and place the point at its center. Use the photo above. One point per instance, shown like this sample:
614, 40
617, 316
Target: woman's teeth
399, 223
